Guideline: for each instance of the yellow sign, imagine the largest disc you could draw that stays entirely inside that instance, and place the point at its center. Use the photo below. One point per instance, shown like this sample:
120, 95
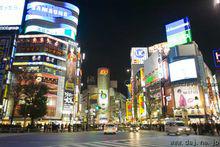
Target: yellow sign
128, 110
141, 104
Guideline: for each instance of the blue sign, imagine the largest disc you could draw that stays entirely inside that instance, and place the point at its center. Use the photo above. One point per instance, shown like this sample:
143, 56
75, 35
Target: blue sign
216, 57
140, 53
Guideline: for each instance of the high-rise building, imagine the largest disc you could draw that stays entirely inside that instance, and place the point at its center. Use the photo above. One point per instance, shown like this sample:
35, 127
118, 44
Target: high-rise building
47, 50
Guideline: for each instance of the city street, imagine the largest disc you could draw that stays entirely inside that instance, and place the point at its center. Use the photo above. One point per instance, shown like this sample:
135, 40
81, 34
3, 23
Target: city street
98, 139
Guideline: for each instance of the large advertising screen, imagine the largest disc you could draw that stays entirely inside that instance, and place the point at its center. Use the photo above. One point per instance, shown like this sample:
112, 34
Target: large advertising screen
11, 12
178, 32
186, 96
182, 69
52, 17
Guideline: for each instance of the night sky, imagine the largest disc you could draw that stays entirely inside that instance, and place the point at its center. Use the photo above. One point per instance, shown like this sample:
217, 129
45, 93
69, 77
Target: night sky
109, 28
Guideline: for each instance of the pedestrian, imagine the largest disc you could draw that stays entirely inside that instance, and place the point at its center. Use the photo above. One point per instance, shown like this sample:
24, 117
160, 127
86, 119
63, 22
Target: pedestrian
45, 128
62, 128
218, 128
195, 127
69, 128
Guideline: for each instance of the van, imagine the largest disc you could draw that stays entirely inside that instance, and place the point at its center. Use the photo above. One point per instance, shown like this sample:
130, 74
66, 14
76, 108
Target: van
177, 128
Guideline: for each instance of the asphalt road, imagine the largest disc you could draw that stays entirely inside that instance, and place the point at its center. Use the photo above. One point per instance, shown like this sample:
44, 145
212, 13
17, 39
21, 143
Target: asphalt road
98, 139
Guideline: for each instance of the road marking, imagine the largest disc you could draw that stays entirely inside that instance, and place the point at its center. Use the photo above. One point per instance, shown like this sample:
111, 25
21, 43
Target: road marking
110, 143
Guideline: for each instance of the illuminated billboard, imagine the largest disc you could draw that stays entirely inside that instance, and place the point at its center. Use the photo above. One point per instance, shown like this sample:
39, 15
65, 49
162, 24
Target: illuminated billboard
178, 32
185, 96
138, 55
52, 17
153, 68
70, 80
11, 13
128, 111
216, 57
103, 102
182, 69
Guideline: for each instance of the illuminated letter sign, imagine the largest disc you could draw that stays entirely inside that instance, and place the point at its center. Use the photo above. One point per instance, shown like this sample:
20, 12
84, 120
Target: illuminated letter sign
216, 57
61, 18
178, 32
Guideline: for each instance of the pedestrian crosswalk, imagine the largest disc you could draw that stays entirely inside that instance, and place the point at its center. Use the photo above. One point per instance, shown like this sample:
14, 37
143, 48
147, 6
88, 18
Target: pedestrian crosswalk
112, 143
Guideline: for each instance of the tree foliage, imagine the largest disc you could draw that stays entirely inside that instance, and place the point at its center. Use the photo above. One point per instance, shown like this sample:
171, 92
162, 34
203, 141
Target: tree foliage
35, 101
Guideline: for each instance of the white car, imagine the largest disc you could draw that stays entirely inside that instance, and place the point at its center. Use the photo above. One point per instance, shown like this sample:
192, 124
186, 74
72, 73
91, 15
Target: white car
110, 129
177, 128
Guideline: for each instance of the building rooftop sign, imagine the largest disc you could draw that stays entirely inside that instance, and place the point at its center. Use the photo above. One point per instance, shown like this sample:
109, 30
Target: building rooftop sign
178, 32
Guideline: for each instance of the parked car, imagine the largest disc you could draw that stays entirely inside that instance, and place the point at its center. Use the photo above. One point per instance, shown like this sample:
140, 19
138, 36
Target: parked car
177, 128
110, 129
134, 128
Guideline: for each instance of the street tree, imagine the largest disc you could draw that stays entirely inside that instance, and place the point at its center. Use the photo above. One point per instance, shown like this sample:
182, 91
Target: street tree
34, 101
150, 103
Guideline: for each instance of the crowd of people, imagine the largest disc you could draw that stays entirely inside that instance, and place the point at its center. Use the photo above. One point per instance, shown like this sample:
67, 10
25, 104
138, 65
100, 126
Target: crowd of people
56, 128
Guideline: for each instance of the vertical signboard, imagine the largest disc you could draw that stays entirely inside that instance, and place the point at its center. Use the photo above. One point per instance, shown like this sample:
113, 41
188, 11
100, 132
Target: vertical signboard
103, 102
178, 32
70, 80
142, 106
5, 45
128, 111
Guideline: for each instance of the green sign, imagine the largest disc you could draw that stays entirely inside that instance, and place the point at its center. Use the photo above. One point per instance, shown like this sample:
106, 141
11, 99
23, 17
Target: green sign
179, 38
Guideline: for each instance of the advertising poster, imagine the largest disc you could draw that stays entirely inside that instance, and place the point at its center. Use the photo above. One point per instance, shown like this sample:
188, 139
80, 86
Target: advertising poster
185, 96
70, 80
52, 17
103, 102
